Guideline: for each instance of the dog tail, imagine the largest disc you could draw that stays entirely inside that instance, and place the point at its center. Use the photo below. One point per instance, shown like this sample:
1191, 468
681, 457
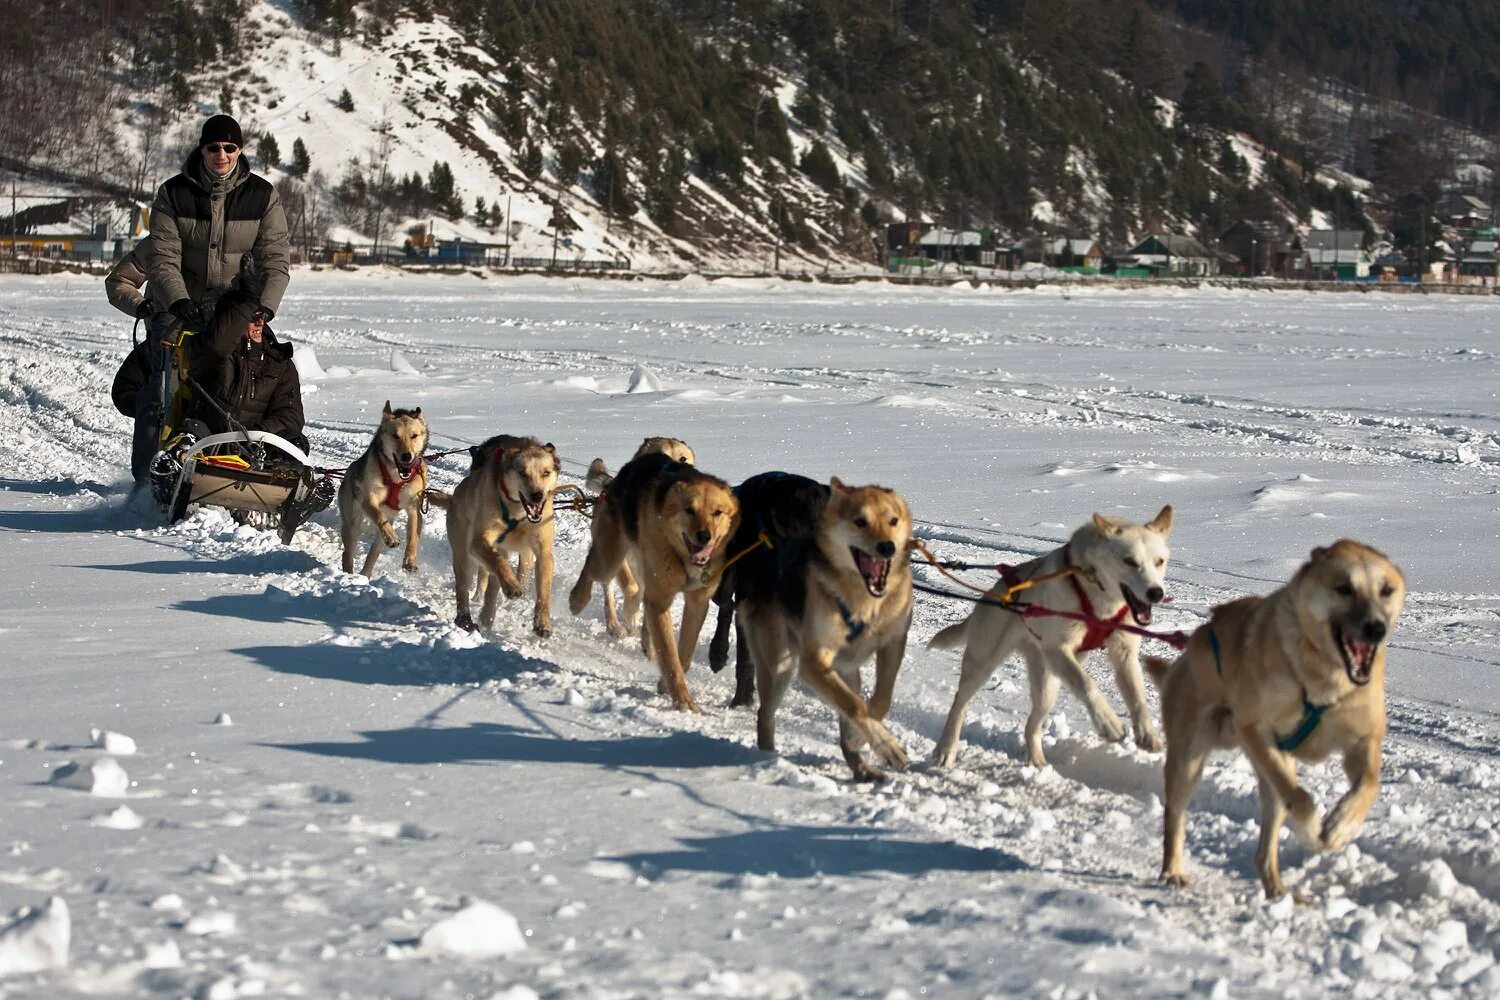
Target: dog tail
438, 498
951, 637
1157, 668
598, 478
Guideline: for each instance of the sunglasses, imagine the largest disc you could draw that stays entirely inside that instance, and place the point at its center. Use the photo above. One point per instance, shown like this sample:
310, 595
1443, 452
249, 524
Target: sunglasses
222, 147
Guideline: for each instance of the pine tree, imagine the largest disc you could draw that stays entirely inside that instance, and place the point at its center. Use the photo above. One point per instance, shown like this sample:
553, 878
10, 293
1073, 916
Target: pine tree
531, 160
345, 101
301, 162
481, 212
267, 151
612, 186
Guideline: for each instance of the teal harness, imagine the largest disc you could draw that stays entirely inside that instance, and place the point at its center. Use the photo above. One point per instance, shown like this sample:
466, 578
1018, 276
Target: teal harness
1311, 714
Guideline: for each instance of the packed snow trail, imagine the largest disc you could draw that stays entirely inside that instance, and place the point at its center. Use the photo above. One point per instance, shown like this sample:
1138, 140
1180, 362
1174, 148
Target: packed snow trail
384, 765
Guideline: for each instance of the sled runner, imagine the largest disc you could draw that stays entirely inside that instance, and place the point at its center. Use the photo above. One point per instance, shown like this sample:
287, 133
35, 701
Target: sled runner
266, 480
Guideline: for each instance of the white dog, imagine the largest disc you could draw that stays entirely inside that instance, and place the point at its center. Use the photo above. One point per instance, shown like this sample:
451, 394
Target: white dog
1117, 567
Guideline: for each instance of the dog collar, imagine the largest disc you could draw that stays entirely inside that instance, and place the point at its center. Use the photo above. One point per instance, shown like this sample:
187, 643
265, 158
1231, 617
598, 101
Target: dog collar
392, 485
854, 626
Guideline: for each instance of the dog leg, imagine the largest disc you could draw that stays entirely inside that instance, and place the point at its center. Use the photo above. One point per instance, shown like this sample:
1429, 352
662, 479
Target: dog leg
497, 562
524, 561
487, 593
981, 656
1044, 685
887, 665
350, 524
1188, 746
816, 667
1268, 848
368, 570
659, 627
1066, 666
773, 671
850, 740
718, 646
606, 553
744, 669
541, 619
1123, 650
630, 594
463, 572
387, 530
694, 613
1281, 771
413, 537
1362, 765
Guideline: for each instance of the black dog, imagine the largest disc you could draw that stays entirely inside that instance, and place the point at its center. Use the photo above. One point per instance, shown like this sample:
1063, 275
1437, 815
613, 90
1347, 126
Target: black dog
783, 506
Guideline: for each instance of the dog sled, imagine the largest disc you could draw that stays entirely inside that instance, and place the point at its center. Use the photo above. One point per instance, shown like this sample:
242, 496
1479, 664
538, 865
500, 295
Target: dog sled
263, 479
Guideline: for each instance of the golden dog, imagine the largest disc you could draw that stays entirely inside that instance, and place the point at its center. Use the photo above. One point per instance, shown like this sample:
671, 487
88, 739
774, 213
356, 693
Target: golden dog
597, 482
389, 476
672, 521
830, 601
504, 505
1296, 675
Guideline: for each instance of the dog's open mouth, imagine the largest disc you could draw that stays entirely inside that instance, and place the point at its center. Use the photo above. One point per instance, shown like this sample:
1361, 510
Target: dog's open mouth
698, 555
1359, 657
403, 469
1139, 610
534, 510
873, 569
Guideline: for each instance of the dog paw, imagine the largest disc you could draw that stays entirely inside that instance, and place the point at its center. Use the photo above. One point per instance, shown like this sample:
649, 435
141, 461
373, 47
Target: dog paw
1306, 825
742, 699
886, 748
1148, 740
542, 630
944, 757
409, 565
390, 539
865, 774
466, 623
511, 590
1338, 830
1109, 727
1175, 879
685, 703
1035, 757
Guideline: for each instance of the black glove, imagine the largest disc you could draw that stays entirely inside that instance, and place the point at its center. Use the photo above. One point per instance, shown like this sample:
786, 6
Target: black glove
187, 314
144, 310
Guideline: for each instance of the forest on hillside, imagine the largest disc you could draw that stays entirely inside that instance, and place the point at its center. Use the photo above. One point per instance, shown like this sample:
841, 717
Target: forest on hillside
1021, 115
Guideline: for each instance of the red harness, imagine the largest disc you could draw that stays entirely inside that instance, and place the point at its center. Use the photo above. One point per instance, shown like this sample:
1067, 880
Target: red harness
1096, 630
393, 486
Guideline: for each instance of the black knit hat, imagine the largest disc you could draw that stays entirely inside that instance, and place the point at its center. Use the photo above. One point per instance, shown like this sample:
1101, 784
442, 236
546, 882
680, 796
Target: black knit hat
221, 128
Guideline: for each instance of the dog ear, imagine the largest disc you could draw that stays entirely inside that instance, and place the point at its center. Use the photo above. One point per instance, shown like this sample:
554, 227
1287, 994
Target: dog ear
1320, 552
388, 412
417, 412
837, 485
1162, 522
1108, 525
550, 448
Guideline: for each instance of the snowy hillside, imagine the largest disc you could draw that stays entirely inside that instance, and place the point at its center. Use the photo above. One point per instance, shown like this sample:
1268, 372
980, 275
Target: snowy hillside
333, 791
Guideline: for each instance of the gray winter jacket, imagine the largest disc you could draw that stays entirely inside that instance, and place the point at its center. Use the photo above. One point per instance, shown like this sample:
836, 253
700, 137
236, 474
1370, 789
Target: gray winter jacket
123, 283
203, 225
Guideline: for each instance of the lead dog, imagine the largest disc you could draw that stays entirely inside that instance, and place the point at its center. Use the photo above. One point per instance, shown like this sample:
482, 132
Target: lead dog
1117, 567
503, 506
1296, 675
673, 522
831, 600
389, 476
597, 482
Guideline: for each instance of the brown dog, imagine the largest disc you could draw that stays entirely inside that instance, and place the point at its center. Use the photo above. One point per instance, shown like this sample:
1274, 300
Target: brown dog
389, 477
1296, 675
673, 522
830, 601
504, 505
597, 481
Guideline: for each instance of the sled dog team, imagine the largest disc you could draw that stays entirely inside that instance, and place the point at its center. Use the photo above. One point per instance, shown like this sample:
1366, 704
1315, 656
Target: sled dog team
815, 579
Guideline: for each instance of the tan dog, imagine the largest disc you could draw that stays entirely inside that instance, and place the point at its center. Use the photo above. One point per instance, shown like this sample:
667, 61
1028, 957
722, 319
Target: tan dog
389, 477
597, 482
1296, 675
503, 506
830, 601
673, 522
1120, 567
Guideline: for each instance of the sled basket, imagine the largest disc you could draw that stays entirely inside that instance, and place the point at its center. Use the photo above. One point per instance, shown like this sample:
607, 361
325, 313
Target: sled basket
281, 496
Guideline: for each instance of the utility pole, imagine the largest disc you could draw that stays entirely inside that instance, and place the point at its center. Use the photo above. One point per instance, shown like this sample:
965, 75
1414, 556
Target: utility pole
15, 226
780, 210
507, 229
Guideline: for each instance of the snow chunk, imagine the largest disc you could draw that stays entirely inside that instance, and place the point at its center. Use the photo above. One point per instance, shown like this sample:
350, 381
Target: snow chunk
211, 923
103, 777
305, 360
36, 940
644, 379
1432, 878
517, 992
479, 930
401, 366
223, 719
123, 818
165, 955
111, 742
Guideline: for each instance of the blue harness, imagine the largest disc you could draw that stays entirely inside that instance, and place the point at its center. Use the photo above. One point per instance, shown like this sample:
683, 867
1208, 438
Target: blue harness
1311, 714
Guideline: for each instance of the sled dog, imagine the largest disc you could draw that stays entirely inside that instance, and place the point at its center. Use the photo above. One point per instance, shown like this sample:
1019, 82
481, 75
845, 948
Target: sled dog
1119, 567
781, 506
829, 601
504, 506
1296, 675
389, 477
597, 482
673, 522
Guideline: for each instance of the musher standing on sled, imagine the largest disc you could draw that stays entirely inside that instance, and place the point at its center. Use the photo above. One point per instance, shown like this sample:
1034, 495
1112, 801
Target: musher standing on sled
203, 222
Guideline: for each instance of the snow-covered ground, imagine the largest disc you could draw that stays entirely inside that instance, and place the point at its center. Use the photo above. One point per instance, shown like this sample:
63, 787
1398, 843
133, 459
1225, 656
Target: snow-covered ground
400, 809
